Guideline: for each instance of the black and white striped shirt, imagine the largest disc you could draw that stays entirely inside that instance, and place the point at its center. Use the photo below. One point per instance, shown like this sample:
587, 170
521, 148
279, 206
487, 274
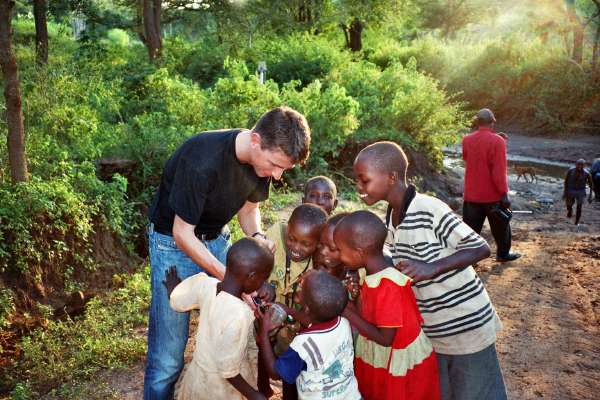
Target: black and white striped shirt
458, 314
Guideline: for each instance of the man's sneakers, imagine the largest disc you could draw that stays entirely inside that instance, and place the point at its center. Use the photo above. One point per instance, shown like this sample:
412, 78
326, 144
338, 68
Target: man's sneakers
508, 257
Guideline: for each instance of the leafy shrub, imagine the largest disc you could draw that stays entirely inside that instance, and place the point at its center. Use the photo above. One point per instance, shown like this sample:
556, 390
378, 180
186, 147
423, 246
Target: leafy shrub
76, 349
403, 105
238, 100
527, 83
47, 224
331, 114
301, 57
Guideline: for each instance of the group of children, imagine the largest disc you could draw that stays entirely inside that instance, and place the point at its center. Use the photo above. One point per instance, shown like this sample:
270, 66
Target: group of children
355, 328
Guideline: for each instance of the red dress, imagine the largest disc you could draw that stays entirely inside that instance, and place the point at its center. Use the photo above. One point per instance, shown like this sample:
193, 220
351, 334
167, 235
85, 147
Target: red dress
408, 369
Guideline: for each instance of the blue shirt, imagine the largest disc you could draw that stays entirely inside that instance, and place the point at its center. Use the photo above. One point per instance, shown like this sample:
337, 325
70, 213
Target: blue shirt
289, 366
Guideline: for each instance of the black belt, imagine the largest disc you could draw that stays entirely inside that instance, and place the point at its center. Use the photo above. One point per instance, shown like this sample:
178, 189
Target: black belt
202, 236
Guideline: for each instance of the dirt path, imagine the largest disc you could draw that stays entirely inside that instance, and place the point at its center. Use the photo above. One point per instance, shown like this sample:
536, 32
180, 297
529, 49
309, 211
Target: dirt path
549, 303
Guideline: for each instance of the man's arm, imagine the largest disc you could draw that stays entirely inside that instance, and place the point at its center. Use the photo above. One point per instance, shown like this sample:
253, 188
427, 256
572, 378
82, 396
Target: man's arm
249, 218
565, 184
186, 240
499, 171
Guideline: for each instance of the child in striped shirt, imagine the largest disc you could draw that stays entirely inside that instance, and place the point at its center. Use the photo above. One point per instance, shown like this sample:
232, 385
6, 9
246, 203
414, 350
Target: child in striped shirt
431, 245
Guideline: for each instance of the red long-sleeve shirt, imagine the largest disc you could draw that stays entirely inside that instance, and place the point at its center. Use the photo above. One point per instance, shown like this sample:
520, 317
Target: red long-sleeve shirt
484, 153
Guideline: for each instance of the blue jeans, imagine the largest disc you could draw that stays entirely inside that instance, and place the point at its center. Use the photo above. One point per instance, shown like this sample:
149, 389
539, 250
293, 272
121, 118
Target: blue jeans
168, 329
474, 376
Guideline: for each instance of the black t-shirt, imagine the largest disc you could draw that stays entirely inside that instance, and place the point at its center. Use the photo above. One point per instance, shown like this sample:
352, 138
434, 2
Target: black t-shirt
205, 184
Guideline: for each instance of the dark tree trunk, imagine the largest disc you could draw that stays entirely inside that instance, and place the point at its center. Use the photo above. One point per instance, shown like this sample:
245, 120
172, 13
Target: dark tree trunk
595, 53
355, 33
41, 31
12, 95
577, 27
152, 32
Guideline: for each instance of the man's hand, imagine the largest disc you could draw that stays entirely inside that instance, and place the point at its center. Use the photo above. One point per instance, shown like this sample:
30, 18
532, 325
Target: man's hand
266, 293
504, 201
269, 243
171, 280
417, 270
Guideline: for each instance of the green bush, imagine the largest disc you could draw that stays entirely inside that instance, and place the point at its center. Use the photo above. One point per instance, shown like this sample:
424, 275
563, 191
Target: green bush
403, 105
47, 225
76, 349
300, 57
529, 84
331, 114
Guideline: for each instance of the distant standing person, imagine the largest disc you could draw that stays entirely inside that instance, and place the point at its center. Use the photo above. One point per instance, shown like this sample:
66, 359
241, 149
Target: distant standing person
574, 191
595, 171
486, 186
209, 179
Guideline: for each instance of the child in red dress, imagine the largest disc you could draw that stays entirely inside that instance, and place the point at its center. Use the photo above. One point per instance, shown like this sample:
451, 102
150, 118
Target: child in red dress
393, 357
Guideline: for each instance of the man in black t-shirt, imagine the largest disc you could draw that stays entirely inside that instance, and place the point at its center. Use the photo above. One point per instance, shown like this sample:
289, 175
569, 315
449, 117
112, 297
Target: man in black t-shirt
209, 179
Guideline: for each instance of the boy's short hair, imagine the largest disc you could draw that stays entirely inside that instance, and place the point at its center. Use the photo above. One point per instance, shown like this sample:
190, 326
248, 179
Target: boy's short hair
335, 219
249, 255
308, 214
485, 116
285, 129
386, 156
317, 179
325, 296
364, 230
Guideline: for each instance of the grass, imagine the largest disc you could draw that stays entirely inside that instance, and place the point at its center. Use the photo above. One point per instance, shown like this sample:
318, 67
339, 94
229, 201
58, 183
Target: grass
108, 336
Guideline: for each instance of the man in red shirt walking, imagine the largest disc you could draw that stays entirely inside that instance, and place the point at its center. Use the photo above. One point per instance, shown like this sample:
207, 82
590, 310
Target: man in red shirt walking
486, 187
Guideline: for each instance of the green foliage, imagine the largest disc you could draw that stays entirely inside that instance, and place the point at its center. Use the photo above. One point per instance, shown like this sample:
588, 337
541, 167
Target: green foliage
104, 338
48, 224
7, 308
118, 37
300, 57
331, 114
403, 105
239, 99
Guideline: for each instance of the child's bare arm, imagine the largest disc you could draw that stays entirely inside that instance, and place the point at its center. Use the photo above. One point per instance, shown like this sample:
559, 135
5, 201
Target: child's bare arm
419, 270
382, 336
264, 344
245, 389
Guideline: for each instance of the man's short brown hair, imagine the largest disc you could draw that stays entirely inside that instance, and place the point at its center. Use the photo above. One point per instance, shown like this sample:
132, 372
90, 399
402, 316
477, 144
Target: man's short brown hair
285, 129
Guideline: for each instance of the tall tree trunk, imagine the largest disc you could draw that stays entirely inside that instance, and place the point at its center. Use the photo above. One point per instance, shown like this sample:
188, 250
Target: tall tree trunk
41, 31
595, 54
355, 33
12, 95
152, 31
577, 27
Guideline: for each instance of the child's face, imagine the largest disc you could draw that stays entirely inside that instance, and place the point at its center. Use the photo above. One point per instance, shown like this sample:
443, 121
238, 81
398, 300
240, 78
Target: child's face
373, 185
327, 254
349, 256
321, 194
301, 240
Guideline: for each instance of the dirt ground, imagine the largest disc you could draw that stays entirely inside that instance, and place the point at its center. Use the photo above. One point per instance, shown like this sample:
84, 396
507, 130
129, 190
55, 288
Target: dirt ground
548, 301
